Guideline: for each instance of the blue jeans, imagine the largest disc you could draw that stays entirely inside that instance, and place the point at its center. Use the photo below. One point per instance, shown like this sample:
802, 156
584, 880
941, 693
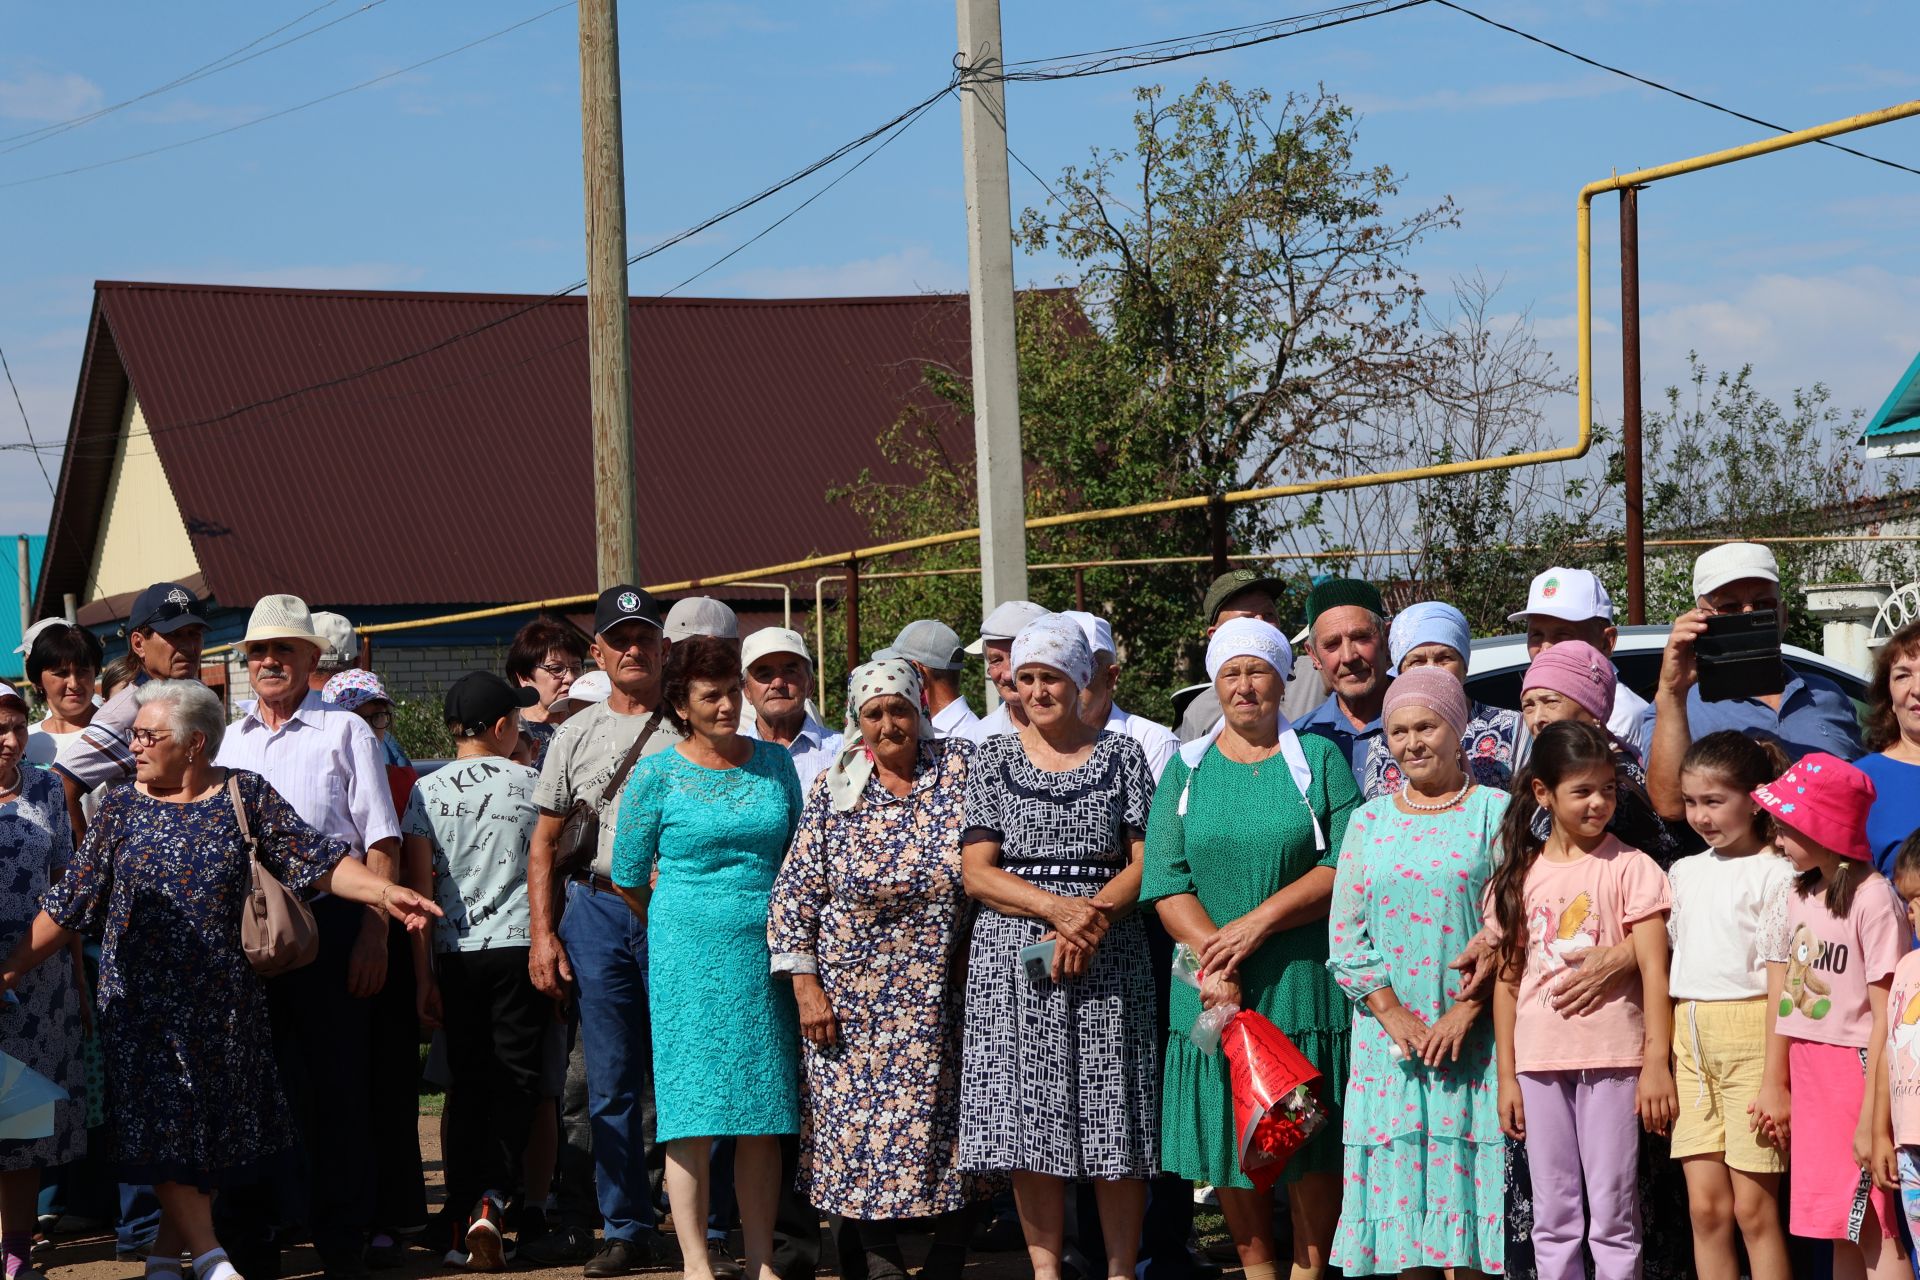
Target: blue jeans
607, 948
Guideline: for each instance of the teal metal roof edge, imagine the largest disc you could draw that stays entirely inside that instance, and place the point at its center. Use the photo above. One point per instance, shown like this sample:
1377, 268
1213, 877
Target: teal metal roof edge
1897, 416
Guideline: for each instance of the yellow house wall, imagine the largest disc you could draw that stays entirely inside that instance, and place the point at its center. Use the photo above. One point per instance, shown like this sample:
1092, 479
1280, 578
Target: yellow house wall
143, 538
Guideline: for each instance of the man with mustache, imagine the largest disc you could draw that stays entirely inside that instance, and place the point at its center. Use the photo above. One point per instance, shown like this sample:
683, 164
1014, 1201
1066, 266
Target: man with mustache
1348, 641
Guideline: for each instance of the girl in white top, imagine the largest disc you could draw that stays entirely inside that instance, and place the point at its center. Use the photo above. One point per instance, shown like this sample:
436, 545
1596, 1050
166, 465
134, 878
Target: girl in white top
1729, 933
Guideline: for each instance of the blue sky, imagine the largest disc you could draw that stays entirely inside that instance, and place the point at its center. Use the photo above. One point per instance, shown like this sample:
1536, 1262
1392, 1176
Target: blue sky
464, 175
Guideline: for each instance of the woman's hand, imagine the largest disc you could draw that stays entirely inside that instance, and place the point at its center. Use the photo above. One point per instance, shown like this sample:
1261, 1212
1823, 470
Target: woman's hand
1591, 973
1408, 1029
1217, 990
411, 909
1441, 1046
1656, 1100
817, 1022
1475, 965
1513, 1112
1079, 921
1771, 1113
1231, 945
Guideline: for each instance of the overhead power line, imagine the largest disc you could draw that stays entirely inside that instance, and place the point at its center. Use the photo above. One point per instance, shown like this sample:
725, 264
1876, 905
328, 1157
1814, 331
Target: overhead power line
287, 111
225, 62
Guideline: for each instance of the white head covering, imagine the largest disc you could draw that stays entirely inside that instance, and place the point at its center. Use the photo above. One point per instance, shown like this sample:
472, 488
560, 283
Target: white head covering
1249, 638
33, 633
847, 775
1058, 642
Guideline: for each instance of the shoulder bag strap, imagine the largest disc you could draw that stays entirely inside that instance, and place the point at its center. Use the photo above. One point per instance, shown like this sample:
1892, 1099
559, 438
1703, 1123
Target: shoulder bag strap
240, 813
619, 777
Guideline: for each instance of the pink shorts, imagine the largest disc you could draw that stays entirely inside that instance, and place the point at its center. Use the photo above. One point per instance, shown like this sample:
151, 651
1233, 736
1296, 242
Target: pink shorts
1832, 1197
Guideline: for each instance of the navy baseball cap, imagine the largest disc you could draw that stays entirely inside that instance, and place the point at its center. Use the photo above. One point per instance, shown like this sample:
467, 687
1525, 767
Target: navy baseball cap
625, 604
167, 607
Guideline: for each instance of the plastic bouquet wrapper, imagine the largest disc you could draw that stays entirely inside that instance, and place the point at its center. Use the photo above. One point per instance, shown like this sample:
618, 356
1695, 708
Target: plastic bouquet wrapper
26, 1101
1275, 1106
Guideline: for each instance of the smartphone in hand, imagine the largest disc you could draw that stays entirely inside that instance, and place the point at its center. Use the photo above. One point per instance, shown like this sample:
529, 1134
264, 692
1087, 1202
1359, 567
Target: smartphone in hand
1037, 960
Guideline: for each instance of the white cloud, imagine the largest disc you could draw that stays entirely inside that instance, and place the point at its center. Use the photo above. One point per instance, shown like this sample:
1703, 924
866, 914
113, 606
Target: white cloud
48, 95
915, 269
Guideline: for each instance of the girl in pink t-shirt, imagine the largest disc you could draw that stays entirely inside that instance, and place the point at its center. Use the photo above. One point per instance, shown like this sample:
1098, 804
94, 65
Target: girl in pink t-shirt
1830, 1027
1578, 1088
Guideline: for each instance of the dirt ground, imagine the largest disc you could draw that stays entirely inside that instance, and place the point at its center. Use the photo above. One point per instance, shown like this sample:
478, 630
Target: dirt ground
89, 1256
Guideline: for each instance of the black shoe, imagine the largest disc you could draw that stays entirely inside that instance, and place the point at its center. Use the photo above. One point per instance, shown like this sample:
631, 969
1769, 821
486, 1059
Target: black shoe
385, 1252
618, 1258
559, 1246
885, 1264
721, 1262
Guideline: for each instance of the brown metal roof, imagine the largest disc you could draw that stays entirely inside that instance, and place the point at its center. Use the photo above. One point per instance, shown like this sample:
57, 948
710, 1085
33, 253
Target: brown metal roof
408, 486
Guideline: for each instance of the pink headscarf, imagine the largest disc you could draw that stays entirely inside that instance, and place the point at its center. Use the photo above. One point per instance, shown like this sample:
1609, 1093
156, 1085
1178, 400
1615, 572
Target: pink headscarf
1578, 671
1436, 689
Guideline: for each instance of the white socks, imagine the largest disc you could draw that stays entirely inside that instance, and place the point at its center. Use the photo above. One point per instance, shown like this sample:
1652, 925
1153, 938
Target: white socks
213, 1265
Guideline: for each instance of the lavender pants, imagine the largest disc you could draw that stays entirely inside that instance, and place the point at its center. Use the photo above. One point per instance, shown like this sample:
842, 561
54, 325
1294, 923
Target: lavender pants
1583, 1143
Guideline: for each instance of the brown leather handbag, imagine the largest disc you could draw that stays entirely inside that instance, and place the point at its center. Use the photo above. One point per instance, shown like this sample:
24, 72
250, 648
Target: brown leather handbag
277, 930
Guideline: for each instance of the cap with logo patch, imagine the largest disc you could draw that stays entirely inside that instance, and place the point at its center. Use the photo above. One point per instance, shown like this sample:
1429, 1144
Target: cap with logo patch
1571, 595
624, 604
166, 607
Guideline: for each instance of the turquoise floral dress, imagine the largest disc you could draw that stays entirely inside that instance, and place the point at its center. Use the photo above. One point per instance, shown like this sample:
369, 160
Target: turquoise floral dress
1425, 1165
726, 1039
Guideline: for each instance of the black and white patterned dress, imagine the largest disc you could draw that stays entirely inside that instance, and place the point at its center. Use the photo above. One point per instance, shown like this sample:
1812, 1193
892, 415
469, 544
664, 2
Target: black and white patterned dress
1059, 1078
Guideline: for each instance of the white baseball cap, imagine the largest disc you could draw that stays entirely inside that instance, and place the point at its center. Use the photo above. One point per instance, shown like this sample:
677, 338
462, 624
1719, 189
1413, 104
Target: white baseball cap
772, 640
1732, 562
588, 688
1005, 622
1572, 595
701, 616
1098, 630
343, 646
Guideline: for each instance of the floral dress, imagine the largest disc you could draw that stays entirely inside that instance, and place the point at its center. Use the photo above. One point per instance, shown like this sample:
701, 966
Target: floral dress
1425, 1159
45, 1029
195, 1097
1059, 1077
871, 901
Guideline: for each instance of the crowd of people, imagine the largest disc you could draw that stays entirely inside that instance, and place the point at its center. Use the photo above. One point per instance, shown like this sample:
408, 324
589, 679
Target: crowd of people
1594, 986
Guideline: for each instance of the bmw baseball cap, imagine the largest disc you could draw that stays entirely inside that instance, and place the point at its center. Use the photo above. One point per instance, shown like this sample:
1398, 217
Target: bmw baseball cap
624, 604
167, 607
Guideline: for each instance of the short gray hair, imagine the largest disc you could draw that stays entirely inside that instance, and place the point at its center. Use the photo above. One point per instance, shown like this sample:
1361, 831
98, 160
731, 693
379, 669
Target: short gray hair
193, 708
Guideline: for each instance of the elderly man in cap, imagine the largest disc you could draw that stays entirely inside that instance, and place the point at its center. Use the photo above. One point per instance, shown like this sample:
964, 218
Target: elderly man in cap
1571, 604
1097, 705
1810, 713
327, 763
1347, 640
996, 646
932, 648
777, 677
166, 630
596, 951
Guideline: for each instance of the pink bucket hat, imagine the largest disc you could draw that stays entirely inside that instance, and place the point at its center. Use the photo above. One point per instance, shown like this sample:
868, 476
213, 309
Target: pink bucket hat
1577, 670
1826, 800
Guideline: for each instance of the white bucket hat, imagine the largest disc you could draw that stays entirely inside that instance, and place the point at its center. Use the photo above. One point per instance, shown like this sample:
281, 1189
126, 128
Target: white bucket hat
282, 618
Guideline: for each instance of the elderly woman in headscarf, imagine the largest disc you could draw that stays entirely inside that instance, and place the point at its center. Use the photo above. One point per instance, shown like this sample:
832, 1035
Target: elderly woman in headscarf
1425, 1161
1241, 848
867, 919
1058, 1082
1435, 634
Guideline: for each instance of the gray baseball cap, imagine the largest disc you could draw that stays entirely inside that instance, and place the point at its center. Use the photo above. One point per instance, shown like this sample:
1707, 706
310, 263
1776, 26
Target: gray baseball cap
931, 643
701, 616
1005, 622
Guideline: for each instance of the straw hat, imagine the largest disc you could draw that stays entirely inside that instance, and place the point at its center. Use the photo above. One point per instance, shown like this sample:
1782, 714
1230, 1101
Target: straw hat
282, 618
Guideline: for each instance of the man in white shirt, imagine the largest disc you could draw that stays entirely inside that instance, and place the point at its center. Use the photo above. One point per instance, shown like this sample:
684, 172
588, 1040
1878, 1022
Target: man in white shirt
996, 646
777, 676
329, 766
1097, 705
933, 649
1571, 604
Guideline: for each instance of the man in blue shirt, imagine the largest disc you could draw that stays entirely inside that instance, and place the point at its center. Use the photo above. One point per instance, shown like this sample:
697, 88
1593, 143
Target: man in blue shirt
1347, 641
1811, 713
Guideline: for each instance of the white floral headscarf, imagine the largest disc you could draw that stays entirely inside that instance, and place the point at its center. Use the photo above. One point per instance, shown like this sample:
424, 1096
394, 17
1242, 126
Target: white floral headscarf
1249, 638
847, 775
1058, 642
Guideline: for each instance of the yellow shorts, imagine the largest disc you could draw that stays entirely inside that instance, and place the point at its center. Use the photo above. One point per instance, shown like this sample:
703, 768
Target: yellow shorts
1719, 1055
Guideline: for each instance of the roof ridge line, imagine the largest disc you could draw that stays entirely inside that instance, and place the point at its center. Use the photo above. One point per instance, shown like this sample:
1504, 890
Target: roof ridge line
435, 295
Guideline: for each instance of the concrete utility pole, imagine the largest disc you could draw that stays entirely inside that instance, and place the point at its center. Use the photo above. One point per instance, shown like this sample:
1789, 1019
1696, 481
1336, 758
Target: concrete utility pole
608, 356
996, 385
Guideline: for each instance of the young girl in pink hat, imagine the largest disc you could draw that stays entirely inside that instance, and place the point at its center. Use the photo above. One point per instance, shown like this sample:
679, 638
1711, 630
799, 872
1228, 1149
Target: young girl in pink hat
1830, 1025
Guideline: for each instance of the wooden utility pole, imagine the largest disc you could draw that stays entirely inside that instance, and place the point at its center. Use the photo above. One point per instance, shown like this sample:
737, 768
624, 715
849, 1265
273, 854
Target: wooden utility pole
996, 385
609, 360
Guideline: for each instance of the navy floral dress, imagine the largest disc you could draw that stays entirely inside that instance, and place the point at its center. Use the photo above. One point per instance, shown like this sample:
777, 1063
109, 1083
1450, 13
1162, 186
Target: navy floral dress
44, 1030
871, 902
183, 1016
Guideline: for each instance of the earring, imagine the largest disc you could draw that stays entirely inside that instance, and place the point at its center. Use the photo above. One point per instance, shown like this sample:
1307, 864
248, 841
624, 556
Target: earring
189, 757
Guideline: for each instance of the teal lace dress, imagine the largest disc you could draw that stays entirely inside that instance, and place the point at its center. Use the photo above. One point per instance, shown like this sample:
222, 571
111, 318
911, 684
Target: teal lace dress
726, 1040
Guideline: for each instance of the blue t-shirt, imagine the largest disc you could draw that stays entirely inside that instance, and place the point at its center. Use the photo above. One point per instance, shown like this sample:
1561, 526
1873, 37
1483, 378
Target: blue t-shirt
1896, 807
1815, 715
478, 815
1331, 723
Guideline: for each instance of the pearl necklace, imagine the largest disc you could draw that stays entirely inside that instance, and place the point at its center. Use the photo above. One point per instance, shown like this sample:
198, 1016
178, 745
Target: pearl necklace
1406, 798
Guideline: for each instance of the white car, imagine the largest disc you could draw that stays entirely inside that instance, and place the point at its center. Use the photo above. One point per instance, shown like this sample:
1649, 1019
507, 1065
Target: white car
1498, 663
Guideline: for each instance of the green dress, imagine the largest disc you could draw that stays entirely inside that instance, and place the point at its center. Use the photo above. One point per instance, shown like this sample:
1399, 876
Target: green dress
1244, 837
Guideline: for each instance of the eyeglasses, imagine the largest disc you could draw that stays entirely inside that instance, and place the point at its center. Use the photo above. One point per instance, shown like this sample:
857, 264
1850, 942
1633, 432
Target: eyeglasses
147, 737
378, 719
1726, 608
560, 669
